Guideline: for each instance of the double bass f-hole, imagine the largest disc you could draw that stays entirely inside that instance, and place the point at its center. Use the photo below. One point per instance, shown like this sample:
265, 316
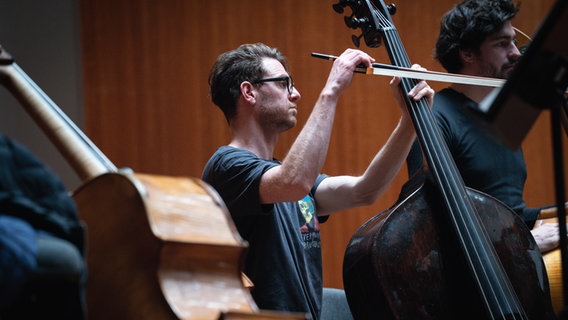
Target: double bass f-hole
455, 252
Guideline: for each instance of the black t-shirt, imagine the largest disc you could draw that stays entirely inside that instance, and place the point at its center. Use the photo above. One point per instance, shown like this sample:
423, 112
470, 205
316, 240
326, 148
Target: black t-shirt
284, 256
485, 164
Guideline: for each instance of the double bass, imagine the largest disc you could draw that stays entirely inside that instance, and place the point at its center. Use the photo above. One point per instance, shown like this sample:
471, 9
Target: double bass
442, 251
158, 247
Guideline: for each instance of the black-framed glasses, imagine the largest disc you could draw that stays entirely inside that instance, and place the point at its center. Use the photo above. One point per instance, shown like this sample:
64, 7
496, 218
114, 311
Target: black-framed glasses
288, 79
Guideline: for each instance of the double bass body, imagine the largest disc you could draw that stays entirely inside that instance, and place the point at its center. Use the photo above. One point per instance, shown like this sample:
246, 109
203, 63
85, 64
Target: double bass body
405, 263
444, 251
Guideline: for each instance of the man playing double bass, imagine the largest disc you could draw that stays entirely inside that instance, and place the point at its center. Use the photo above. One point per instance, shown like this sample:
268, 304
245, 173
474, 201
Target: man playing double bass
477, 38
277, 205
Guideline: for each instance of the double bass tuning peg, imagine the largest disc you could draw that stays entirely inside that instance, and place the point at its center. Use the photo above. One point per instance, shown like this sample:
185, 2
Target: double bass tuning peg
338, 7
341, 4
355, 23
391, 8
356, 40
349, 22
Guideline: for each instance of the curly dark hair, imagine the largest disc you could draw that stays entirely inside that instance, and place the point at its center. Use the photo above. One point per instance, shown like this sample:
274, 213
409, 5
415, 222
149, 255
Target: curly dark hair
234, 67
467, 25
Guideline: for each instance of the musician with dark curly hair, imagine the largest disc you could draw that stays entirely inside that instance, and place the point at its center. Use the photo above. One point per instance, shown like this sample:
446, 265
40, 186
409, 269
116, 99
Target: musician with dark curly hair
477, 38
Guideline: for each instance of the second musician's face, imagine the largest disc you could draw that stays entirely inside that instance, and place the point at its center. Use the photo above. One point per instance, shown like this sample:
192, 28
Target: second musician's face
498, 54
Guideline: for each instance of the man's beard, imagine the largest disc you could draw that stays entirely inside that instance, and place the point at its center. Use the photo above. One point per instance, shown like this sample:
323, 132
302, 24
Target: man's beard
277, 120
502, 73
508, 70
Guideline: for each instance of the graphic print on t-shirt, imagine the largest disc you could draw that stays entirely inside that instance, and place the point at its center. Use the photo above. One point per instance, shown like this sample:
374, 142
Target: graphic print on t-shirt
310, 229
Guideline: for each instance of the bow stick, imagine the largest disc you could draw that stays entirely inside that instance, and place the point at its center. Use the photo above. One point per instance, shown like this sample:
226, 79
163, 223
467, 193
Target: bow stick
390, 70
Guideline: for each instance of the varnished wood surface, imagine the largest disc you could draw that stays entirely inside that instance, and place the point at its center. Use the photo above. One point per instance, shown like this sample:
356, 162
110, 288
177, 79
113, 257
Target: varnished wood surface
162, 248
157, 247
150, 259
146, 65
553, 263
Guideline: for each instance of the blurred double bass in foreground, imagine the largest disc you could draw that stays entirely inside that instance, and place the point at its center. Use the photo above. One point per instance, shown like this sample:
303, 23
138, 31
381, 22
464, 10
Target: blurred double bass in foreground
158, 247
443, 251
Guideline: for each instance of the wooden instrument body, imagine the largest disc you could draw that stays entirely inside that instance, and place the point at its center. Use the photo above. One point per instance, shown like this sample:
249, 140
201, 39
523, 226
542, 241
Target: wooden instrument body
406, 264
444, 252
553, 263
158, 247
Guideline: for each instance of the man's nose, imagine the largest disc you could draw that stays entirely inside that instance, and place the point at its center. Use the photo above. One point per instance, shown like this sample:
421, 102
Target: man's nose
295, 95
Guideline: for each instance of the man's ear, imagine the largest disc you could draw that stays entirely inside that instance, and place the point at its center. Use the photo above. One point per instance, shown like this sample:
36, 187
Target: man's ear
467, 56
248, 92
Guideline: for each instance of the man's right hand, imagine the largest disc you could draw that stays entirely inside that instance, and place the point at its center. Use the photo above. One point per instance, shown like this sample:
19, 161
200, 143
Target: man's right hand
341, 73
